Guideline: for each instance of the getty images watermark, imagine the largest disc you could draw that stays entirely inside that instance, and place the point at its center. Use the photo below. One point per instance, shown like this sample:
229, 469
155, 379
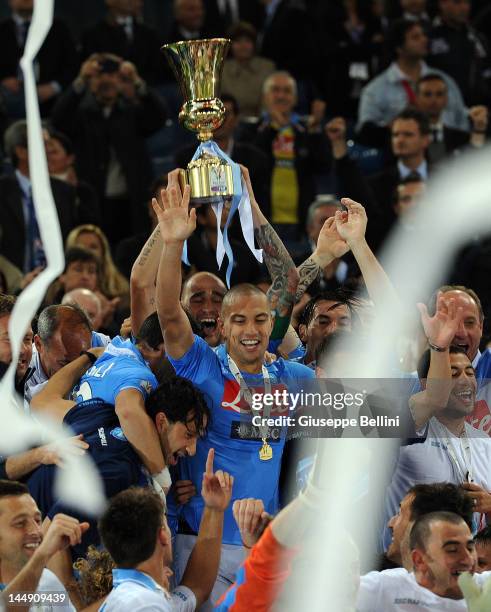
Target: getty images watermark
324, 408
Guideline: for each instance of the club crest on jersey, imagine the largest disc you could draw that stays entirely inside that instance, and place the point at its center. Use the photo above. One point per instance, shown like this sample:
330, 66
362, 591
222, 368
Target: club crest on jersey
232, 400
146, 385
117, 433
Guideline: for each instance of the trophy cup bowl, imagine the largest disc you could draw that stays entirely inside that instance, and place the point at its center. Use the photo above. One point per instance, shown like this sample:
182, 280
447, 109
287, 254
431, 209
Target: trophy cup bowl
197, 65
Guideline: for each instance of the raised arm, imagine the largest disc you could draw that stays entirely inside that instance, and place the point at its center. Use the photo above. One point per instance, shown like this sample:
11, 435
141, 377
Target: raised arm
352, 227
139, 430
51, 399
176, 224
440, 331
202, 568
142, 280
284, 275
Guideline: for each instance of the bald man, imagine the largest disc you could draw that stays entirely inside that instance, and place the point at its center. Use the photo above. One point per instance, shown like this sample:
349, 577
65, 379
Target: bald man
202, 295
89, 302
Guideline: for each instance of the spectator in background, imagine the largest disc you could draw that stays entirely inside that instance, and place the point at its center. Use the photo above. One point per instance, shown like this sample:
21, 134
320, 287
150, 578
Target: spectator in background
21, 242
286, 39
56, 63
108, 112
122, 34
112, 282
394, 89
460, 51
244, 72
410, 136
82, 270
128, 249
189, 18
22, 372
295, 152
89, 302
351, 46
220, 15
406, 196
415, 10
61, 165
431, 99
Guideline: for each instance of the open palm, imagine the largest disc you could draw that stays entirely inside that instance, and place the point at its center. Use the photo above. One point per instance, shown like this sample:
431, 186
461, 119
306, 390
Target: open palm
176, 221
329, 241
440, 329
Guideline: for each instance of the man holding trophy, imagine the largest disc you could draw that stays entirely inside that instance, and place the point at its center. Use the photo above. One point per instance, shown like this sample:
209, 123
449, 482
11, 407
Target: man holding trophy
229, 374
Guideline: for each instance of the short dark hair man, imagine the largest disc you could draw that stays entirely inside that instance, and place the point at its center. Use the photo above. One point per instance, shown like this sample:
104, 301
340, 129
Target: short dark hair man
422, 499
135, 532
24, 551
442, 548
393, 90
22, 372
431, 99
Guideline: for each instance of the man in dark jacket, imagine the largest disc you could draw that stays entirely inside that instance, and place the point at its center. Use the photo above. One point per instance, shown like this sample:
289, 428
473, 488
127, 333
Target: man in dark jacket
108, 112
20, 241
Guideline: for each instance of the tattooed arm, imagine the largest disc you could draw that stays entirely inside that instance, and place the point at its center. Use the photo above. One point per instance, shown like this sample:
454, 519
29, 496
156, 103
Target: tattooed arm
329, 247
142, 280
284, 275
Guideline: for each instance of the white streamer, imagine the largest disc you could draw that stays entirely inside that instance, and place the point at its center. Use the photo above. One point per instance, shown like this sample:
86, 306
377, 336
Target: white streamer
81, 484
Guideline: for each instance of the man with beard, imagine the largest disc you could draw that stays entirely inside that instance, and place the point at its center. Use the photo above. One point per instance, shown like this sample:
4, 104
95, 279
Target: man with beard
448, 448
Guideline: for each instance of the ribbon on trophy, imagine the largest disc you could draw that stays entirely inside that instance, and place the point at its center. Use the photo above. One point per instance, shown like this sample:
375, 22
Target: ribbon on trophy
240, 202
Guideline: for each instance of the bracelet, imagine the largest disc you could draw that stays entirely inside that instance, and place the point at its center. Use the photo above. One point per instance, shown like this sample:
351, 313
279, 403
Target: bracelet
91, 356
438, 349
478, 131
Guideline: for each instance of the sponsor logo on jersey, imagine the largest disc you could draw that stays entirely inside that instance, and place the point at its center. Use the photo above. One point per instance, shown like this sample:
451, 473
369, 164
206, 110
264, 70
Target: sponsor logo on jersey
240, 430
102, 436
481, 417
233, 402
117, 433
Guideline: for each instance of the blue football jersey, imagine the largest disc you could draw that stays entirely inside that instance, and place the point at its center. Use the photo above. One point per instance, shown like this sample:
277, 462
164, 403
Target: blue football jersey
120, 367
231, 432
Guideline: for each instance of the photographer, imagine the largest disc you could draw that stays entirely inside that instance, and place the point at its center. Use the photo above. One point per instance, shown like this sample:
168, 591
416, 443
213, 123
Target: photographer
108, 111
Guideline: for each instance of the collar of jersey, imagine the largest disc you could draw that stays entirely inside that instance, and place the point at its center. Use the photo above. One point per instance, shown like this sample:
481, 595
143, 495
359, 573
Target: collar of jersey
132, 575
221, 352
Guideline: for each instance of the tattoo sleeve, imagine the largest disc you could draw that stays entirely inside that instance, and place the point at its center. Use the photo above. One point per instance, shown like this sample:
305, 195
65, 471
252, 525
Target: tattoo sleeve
284, 275
307, 272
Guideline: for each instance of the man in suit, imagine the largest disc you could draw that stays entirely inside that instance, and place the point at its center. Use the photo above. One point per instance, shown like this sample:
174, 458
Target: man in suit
432, 98
20, 239
410, 139
242, 153
189, 20
220, 15
120, 33
55, 65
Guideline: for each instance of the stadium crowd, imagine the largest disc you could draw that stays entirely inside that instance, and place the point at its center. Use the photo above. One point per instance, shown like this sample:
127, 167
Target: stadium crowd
339, 113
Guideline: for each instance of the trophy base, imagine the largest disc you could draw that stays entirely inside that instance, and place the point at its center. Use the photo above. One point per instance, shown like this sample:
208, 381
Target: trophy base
210, 179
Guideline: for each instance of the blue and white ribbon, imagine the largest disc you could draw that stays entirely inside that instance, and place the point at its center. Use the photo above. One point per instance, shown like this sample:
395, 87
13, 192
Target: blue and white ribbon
240, 201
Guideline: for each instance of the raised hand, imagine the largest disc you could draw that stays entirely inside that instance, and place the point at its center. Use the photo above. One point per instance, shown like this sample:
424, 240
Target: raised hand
330, 245
176, 221
63, 531
352, 225
440, 329
251, 519
216, 490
